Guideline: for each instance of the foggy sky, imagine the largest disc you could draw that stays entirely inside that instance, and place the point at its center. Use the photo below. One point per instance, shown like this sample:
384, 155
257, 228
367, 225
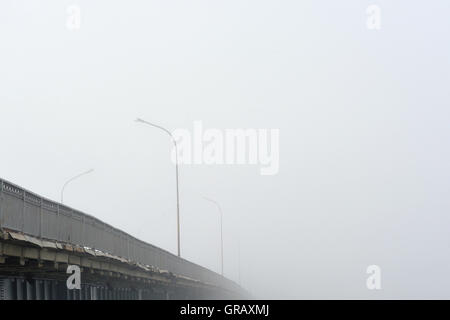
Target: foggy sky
363, 117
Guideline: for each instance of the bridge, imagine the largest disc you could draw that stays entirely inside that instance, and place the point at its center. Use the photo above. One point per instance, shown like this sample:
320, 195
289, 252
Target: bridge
40, 238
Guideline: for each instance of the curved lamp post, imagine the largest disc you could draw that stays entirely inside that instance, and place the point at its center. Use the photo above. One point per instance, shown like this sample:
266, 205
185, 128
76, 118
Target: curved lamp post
221, 228
176, 174
70, 180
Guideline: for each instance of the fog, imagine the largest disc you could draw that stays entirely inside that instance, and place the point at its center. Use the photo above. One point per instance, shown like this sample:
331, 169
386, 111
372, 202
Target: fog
363, 119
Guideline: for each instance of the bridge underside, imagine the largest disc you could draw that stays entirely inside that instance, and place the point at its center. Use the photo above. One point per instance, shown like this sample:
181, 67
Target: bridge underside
29, 271
36, 288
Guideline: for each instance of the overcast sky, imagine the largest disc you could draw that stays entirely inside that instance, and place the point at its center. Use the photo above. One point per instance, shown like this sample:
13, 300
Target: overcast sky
363, 115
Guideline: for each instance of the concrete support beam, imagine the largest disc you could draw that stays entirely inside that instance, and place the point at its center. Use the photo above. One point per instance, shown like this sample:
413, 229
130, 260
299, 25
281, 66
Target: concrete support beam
30, 290
38, 289
54, 285
20, 289
47, 290
74, 260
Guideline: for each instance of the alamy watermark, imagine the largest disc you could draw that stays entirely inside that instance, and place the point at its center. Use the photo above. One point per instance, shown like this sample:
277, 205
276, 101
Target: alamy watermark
373, 21
373, 282
74, 280
228, 146
73, 21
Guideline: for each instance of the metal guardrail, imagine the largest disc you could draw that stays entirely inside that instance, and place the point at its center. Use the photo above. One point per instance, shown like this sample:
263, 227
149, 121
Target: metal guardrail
29, 213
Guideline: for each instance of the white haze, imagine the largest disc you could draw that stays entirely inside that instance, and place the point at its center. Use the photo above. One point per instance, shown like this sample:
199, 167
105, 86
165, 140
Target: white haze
364, 174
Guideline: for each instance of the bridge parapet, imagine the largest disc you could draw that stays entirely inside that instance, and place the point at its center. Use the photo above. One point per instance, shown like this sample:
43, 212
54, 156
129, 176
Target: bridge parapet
30, 214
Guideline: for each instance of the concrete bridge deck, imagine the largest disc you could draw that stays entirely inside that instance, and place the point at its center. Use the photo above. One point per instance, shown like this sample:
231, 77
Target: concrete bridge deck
39, 238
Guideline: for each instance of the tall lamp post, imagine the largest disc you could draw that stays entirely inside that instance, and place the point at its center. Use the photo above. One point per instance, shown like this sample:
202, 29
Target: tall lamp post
72, 179
221, 228
176, 175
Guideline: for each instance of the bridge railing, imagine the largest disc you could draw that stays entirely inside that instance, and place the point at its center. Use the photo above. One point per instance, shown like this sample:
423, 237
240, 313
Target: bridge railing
27, 212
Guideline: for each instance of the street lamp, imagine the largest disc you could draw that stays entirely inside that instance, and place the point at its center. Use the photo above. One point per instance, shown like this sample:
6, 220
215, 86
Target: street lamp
70, 180
176, 175
221, 228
